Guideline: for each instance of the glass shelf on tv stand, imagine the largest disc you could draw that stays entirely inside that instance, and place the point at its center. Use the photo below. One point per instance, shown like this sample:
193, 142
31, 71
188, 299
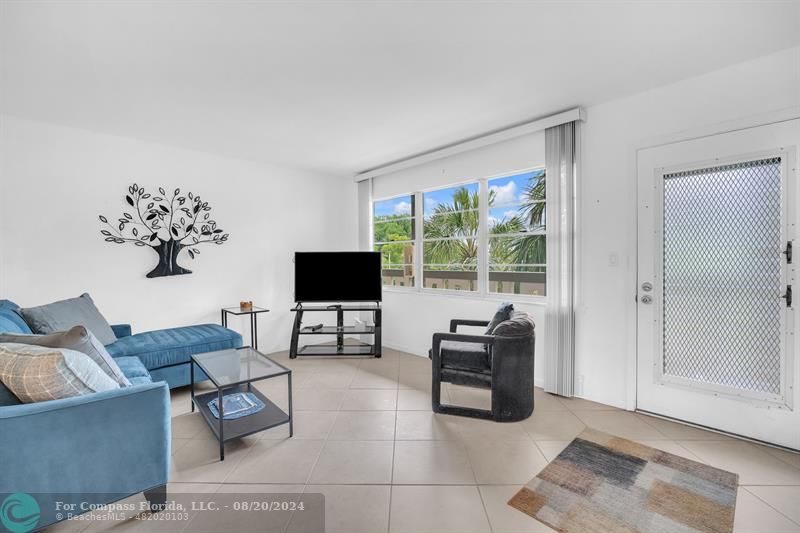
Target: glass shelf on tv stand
339, 330
343, 307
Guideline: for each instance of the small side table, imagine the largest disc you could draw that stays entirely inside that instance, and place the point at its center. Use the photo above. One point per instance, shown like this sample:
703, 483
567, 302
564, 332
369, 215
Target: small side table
253, 312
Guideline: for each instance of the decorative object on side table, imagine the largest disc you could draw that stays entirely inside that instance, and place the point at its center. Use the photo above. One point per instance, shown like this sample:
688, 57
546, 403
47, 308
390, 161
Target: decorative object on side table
236, 405
245, 308
165, 224
232, 373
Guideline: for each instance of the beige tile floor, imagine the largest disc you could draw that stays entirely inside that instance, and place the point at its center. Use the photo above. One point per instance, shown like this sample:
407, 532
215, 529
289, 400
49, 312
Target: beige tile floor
365, 437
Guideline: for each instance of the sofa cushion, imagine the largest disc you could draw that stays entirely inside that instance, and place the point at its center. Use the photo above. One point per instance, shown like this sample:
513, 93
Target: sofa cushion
37, 373
65, 314
10, 319
519, 325
176, 345
78, 338
464, 355
132, 367
140, 380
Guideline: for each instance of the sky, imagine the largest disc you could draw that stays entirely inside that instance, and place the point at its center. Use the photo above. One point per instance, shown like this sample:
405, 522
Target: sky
508, 196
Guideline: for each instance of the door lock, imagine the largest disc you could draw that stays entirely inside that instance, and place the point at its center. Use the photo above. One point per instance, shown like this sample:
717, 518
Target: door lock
646, 299
788, 296
788, 252
647, 286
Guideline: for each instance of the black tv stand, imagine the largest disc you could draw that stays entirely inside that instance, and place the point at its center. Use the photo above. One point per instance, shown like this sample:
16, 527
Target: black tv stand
340, 330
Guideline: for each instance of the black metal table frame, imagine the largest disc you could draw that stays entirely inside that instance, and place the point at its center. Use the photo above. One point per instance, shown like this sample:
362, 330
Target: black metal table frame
220, 393
225, 311
375, 349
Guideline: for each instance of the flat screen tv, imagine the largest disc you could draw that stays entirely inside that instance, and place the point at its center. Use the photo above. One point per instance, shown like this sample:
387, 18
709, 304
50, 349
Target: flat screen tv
337, 277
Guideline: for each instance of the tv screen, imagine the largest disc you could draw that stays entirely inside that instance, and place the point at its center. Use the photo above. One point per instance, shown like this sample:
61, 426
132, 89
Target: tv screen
337, 277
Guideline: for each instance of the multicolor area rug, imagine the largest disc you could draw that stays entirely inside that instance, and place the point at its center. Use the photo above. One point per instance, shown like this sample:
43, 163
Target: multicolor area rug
602, 483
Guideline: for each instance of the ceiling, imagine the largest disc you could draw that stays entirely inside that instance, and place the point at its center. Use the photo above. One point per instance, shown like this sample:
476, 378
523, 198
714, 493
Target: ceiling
341, 87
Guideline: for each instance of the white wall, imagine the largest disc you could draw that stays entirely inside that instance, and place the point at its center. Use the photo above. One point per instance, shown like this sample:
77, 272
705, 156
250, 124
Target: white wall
606, 312
55, 181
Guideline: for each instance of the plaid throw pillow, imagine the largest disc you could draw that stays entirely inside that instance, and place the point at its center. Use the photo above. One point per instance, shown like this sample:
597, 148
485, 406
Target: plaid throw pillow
37, 374
79, 339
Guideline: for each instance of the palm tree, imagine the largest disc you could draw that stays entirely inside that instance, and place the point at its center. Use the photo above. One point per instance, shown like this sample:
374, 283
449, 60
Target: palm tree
532, 249
532, 207
457, 225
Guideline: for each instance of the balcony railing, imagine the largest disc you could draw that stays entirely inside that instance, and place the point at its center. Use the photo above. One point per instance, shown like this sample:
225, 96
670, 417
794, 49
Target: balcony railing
502, 282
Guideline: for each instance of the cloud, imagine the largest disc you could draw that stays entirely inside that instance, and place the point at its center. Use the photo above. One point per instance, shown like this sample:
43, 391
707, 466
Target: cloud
402, 208
505, 195
511, 213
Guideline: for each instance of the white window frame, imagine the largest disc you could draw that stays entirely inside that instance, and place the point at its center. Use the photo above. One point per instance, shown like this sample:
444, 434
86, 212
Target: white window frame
482, 291
413, 240
488, 236
423, 240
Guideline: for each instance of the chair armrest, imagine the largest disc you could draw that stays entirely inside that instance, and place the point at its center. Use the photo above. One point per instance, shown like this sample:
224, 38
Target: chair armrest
121, 330
97, 448
464, 322
459, 337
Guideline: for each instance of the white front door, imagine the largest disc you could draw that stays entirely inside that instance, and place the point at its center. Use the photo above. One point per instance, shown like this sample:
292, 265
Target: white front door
716, 341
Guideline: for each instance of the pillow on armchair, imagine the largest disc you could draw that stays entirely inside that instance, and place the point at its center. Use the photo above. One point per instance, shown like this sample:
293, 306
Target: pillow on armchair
65, 314
503, 313
519, 324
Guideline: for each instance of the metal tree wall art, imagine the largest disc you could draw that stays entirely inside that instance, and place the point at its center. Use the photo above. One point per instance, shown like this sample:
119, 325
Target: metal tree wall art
167, 225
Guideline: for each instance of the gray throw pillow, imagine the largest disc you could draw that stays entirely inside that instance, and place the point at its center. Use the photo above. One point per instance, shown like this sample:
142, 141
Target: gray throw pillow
520, 324
79, 339
503, 313
38, 374
64, 314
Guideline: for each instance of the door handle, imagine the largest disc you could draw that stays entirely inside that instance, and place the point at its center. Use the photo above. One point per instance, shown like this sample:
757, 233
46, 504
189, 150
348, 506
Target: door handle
788, 296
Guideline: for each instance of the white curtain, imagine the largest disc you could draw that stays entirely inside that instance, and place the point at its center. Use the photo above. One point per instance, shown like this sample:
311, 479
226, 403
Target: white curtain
559, 340
365, 214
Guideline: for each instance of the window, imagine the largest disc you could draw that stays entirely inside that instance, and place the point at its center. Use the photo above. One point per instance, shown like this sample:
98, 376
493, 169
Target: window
517, 240
450, 238
393, 223
455, 224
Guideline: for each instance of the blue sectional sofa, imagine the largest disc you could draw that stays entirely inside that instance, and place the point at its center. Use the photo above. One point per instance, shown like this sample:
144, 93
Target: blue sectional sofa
165, 353
101, 447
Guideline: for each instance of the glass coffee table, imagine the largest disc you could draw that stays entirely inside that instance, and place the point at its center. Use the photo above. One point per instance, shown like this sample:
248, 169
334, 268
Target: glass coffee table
235, 370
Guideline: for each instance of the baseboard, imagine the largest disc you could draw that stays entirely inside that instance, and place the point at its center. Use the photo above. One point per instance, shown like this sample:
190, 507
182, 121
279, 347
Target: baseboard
405, 349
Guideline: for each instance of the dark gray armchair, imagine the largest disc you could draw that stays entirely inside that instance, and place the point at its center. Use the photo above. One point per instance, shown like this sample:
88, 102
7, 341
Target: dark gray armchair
501, 362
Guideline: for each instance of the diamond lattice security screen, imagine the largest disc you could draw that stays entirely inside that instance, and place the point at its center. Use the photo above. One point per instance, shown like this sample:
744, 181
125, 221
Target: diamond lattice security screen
722, 275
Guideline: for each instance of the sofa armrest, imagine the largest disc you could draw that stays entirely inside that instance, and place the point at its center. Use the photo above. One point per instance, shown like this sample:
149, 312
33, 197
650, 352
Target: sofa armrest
464, 322
95, 448
121, 330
